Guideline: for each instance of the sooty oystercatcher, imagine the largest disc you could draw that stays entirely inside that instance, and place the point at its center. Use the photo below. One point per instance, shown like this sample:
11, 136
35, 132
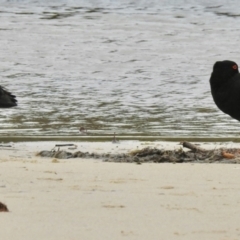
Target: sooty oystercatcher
225, 87
7, 100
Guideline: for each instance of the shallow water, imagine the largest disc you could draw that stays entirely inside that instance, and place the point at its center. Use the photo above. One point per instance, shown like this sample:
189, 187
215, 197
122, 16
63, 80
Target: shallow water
130, 67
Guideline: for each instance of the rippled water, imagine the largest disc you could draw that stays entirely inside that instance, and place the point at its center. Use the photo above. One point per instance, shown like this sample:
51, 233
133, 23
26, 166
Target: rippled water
130, 67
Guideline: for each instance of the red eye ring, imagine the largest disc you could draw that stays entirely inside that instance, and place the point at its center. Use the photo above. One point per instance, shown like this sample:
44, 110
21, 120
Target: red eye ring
235, 67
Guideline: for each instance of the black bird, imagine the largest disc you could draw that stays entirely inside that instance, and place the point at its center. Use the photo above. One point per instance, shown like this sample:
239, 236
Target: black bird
225, 87
7, 100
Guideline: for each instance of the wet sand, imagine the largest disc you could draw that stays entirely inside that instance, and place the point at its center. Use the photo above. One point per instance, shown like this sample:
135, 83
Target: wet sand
89, 199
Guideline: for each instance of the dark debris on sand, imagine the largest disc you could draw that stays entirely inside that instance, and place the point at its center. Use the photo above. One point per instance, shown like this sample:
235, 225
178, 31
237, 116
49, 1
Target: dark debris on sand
3, 207
193, 154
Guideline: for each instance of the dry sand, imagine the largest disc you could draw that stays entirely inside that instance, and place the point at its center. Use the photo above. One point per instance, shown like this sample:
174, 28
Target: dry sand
77, 199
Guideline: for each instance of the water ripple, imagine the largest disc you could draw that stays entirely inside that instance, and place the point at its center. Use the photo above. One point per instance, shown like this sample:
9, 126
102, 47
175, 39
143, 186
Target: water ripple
129, 67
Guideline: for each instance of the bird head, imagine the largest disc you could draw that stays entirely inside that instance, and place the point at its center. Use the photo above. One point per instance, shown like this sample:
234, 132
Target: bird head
224, 70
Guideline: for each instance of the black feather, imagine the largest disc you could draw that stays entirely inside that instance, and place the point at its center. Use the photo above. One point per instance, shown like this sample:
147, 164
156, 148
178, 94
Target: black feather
7, 100
225, 87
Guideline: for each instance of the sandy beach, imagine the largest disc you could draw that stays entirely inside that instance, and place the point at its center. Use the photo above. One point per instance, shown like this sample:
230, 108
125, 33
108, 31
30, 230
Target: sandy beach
90, 199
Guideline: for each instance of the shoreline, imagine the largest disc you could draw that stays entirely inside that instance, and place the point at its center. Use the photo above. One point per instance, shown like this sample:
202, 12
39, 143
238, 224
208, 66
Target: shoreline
108, 144
103, 138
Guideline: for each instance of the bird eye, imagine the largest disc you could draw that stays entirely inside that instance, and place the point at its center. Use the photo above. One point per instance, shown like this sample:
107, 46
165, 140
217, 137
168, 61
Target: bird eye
235, 67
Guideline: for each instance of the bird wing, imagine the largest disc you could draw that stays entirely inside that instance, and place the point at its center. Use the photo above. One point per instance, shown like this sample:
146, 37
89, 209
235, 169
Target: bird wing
7, 99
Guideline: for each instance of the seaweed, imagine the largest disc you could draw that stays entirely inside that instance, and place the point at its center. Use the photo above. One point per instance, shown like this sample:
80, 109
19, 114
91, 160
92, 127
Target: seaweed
193, 153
